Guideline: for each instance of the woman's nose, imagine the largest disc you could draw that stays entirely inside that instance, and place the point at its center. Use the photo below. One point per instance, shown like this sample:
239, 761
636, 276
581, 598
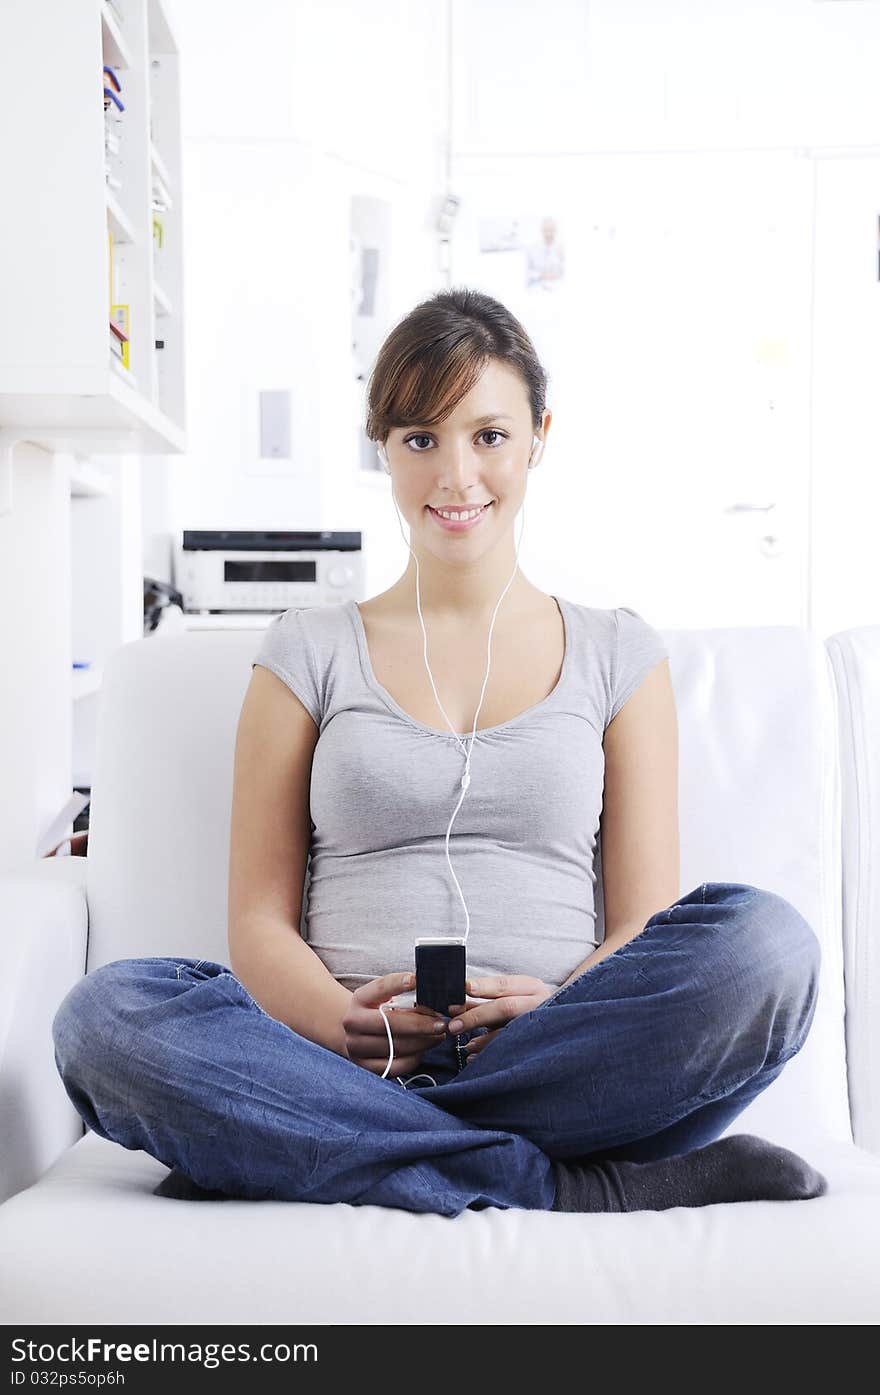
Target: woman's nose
460, 467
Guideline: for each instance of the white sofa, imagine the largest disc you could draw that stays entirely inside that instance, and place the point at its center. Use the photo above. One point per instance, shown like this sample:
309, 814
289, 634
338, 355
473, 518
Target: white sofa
780, 787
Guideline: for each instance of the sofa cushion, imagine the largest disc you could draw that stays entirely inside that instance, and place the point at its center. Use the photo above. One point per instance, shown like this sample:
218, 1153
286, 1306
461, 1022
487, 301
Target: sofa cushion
90, 1243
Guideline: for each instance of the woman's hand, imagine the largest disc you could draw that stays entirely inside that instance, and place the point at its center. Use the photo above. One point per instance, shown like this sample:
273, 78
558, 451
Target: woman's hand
413, 1030
512, 995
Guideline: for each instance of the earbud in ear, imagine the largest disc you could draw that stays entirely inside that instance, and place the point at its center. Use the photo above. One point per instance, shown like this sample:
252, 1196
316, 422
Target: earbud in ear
384, 458
537, 452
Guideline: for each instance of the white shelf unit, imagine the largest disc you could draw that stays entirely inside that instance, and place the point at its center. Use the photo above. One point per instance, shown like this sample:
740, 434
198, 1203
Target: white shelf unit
87, 480
60, 384
60, 390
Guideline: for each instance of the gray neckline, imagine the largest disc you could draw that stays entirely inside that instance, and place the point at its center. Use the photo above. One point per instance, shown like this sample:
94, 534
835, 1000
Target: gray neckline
394, 706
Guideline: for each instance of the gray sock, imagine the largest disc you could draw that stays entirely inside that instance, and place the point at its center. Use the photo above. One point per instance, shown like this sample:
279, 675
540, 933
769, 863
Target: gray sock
741, 1167
182, 1188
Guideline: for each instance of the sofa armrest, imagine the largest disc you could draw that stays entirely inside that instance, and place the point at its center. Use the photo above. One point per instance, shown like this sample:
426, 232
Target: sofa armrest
855, 660
43, 939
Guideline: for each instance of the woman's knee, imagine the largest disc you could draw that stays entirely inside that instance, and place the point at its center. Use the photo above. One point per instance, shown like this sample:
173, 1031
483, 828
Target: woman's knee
778, 953
86, 1026
787, 940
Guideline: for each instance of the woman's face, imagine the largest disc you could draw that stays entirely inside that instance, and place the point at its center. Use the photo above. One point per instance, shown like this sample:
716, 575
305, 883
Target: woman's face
477, 456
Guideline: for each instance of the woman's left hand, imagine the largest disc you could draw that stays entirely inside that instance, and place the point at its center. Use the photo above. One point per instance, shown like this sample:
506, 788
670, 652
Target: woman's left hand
511, 996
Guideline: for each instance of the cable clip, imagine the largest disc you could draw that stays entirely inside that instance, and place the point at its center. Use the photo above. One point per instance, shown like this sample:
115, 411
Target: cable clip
465, 780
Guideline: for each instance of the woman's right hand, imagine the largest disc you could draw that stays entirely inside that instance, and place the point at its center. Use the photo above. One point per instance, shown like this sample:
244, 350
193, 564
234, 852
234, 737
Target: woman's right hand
413, 1030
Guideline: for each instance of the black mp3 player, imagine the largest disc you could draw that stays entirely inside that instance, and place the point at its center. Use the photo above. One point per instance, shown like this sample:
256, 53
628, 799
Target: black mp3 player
440, 973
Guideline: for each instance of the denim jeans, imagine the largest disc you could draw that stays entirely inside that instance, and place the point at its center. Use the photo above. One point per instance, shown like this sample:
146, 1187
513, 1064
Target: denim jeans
650, 1052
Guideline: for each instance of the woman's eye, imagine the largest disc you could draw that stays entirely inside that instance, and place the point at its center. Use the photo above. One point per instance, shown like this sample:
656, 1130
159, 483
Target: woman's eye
422, 437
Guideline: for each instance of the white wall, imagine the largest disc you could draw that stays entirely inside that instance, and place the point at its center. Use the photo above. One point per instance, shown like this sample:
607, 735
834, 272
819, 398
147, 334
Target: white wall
676, 143
285, 115
631, 75
666, 135
845, 403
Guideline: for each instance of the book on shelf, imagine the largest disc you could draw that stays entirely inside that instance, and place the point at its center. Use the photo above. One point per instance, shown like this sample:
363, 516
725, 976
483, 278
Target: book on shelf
158, 246
120, 333
113, 110
111, 87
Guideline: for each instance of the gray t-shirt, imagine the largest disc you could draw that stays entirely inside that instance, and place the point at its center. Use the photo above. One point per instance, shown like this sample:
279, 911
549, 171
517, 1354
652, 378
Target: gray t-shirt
384, 787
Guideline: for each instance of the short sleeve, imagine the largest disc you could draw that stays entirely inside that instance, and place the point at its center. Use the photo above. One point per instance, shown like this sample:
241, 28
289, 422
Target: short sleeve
288, 653
638, 649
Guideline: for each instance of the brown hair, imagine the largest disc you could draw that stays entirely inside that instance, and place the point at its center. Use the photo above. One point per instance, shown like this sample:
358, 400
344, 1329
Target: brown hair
434, 355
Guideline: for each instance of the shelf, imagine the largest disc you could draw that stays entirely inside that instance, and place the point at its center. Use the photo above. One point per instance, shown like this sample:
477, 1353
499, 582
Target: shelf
161, 190
102, 401
161, 38
124, 374
161, 300
159, 165
120, 225
58, 371
117, 53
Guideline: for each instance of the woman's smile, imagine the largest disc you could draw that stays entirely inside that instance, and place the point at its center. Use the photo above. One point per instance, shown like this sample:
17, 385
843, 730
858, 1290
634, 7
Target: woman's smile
460, 524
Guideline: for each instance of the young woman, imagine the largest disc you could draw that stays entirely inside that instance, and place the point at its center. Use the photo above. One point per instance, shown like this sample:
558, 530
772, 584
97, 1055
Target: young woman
577, 1075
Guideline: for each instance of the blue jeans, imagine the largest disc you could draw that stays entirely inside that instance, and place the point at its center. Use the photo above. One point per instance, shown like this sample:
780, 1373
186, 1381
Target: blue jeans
651, 1052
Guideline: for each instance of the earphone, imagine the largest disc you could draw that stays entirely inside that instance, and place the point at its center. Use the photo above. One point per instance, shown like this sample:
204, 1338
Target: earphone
534, 457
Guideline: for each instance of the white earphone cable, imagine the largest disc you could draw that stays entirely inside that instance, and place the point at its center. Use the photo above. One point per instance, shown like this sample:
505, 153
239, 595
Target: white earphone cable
466, 777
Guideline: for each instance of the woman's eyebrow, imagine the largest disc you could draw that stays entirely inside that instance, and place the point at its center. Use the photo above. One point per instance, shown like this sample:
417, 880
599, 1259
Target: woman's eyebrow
481, 421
